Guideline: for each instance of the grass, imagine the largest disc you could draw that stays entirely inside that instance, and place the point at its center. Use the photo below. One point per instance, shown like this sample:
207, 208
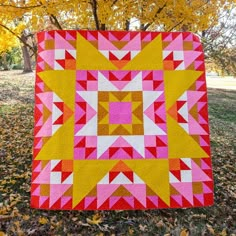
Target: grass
17, 218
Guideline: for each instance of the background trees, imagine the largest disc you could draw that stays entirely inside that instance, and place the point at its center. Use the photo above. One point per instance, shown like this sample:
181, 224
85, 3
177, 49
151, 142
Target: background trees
22, 19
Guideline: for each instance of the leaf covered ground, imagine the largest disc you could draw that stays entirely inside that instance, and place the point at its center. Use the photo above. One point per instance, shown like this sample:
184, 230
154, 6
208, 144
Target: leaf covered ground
17, 218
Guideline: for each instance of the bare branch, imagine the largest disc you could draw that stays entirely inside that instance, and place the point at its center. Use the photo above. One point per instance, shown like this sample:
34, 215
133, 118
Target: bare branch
95, 15
54, 21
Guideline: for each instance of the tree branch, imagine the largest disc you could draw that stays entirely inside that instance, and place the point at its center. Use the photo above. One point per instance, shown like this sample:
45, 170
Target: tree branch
95, 15
145, 27
54, 21
23, 41
20, 7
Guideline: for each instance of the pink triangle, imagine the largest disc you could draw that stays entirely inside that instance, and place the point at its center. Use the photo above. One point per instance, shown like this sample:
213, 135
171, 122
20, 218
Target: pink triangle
112, 37
154, 200
194, 127
129, 200
47, 99
38, 167
56, 191
198, 64
64, 200
206, 189
90, 37
199, 84
190, 56
46, 129
168, 38
90, 113
36, 191
196, 45
176, 44
104, 44
198, 174
44, 175
138, 191
178, 199
42, 200
40, 122
134, 44
41, 85
113, 200
201, 120
48, 56
203, 143
147, 38
104, 191
199, 197
204, 165
185, 189
88, 201
48, 36
149, 112
39, 144
193, 97
126, 37
161, 112
61, 43
189, 38
69, 36
200, 105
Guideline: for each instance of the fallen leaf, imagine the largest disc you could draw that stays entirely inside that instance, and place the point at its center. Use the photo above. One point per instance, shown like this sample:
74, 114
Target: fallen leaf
97, 219
184, 232
43, 220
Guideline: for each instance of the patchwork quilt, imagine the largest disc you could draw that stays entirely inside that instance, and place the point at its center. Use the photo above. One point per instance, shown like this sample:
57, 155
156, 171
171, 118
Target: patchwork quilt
120, 122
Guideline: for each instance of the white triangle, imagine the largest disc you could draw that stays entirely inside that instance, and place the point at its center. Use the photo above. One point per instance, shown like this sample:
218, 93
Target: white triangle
134, 54
104, 180
104, 142
172, 178
89, 129
104, 84
137, 180
137, 142
54, 163
149, 97
119, 54
135, 84
187, 161
185, 126
181, 66
183, 97
91, 97
55, 128
151, 128
183, 111
105, 53
56, 113
72, 53
121, 179
56, 98
57, 66
69, 179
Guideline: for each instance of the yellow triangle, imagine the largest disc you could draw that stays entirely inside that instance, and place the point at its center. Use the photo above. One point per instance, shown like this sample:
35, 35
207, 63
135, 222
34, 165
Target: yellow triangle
180, 144
104, 120
127, 98
61, 145
176, 83
150, 58
85, 178
62, 83
112, 127
155, 174
89, 58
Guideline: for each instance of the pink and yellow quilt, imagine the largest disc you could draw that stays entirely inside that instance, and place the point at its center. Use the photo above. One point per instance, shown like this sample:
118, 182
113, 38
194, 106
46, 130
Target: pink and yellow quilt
120, 122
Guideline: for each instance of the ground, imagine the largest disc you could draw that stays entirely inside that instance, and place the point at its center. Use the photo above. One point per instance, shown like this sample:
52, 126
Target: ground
16, 217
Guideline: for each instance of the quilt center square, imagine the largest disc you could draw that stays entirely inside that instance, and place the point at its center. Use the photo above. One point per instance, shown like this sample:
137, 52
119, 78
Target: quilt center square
120, 113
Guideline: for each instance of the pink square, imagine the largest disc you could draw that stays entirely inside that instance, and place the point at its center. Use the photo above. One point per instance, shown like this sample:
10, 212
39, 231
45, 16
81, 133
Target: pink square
120, 113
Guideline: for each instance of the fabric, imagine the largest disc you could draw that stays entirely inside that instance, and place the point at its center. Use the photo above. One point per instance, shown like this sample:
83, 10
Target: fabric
120, 122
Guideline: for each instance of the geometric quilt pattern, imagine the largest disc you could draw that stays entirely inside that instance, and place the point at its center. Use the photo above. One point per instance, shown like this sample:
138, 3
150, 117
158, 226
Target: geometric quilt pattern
121, 121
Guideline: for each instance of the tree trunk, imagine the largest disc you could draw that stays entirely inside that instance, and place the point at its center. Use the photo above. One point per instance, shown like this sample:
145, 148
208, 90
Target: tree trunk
26, 57
5, 65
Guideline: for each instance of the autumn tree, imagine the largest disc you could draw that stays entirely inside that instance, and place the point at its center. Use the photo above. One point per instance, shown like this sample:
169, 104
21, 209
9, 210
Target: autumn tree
168, 15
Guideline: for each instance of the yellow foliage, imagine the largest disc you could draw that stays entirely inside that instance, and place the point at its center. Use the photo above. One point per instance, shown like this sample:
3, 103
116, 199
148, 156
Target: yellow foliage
168, 15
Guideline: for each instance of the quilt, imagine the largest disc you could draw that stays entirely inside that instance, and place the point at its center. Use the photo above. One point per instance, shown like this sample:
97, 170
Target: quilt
121, 121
